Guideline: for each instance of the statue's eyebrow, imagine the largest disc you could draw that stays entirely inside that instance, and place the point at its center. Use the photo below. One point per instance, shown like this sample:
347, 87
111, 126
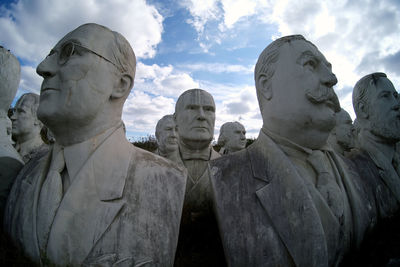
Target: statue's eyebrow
310, 55
305, 55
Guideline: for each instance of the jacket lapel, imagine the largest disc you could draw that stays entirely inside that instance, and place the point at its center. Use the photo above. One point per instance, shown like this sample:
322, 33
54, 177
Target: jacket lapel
92, 202
288, 203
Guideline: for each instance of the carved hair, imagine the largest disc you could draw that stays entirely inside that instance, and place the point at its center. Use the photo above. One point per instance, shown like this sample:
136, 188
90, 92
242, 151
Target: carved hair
360, 91
179, 102
269, 56
34, 104
121, 51
161, 122
223, 129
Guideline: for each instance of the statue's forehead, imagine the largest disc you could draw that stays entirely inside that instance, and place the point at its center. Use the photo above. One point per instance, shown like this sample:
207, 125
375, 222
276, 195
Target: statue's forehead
198, 97
300, 48
92, 37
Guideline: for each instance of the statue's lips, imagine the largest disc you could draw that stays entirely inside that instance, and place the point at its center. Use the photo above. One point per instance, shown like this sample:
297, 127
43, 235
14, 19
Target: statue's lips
200, 128
48, 89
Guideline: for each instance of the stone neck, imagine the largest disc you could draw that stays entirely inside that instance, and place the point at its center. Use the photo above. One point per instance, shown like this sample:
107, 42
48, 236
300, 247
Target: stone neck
188, 153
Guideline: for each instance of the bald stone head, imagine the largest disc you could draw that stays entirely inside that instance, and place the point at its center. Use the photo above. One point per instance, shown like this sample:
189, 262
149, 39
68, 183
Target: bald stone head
87, 77
195, 118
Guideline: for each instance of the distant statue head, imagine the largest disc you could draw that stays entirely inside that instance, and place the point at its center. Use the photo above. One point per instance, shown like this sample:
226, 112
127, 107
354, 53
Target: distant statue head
167, 135
377, 106
342, 136
232, 137
87, 77
10, 72
195, 117
25, 124
294, 85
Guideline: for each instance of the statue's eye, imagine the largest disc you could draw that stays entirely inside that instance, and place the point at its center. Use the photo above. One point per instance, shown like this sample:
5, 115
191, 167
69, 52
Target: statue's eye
67, 50
311, 64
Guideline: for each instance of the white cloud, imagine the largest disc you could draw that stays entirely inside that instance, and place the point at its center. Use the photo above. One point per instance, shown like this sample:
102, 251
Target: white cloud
31, 28
218, 68
142, 111
159, 80
30, 80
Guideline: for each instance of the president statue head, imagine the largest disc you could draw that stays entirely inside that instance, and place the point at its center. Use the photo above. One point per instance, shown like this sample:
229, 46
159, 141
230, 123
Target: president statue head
294, 83
166, 135
377, 107
195, 118
87, 77
232, 137
10, 72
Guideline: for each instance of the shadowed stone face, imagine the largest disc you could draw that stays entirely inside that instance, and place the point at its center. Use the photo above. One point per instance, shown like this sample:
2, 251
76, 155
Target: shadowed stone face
167, 135
344, 130
232, 136
24, 119
384, 110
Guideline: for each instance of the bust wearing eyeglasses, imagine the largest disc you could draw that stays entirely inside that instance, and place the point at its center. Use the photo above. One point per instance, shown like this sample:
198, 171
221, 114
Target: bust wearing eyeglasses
94, 199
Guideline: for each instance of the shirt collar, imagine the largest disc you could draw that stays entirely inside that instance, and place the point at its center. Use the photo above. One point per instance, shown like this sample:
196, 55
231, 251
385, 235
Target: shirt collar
76, 155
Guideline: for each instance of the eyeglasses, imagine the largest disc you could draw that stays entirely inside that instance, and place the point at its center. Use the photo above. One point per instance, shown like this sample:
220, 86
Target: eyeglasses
68, 49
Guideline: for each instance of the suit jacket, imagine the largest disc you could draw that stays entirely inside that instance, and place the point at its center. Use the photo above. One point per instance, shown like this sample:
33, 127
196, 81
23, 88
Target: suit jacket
123, 208
265, 213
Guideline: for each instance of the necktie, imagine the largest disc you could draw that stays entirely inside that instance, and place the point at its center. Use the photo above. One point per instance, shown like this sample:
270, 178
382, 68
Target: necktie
326, 184
50, 197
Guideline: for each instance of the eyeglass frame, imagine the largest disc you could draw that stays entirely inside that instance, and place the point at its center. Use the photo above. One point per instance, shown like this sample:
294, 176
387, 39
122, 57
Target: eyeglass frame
84, 47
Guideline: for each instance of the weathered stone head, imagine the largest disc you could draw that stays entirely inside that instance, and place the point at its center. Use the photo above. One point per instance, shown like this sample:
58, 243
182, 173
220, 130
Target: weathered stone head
195, 118
377, 106
167, 135
342, 137
25, 124
87, 77
294, 89
232, 137
10, 72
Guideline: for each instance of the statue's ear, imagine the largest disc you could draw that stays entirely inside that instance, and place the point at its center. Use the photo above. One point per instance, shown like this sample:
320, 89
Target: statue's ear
263, 84
123, 86
362, 110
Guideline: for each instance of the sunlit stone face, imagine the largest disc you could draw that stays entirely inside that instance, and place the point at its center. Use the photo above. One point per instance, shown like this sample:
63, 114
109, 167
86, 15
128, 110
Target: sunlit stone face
195, 116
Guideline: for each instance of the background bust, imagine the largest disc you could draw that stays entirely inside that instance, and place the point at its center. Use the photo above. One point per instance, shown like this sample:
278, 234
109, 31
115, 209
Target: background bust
167, 136
26, 126
10, 161
232, 137
342, 137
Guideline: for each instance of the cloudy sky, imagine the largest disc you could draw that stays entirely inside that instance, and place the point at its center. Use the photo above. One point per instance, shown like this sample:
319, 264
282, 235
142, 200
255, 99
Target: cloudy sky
209, 44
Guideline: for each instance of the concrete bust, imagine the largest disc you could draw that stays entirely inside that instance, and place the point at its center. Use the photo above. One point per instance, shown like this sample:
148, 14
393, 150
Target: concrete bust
377, 107
342, 137
91, 200
297, 199
195, 118
167, 139
26, 126
10, 161
232, 137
